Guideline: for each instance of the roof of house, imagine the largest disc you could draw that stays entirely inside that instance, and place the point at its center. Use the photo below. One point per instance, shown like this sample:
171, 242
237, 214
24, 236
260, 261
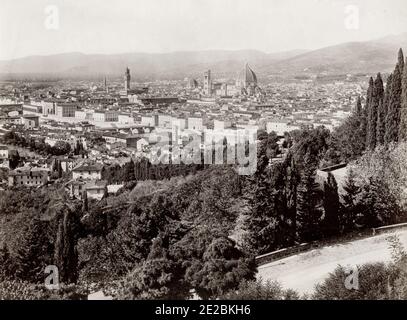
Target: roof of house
32, 173
89, 167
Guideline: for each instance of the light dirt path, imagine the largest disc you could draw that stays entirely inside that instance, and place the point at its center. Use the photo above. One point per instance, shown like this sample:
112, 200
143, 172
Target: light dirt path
303, 271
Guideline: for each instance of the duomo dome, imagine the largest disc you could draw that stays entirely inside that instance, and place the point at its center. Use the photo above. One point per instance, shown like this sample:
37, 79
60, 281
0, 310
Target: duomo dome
246, 78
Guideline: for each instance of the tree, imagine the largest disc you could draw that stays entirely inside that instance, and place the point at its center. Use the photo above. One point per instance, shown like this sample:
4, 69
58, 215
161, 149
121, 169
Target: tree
222, 267
60, 171
374, 284
79, 149
315, 142
348, 141
382, 112
130, 242
371, 115
85, 206
261, 290
14, 159
367, 111
128, 171
308, 211
358, 107
60, 148
380, 127
158, 277
403, 113
379, 206
331, 206
291, 184
363, 124
400, 60
375, 99
66, 255
6, 263
265, 231
33, 253
393, 114
350, 202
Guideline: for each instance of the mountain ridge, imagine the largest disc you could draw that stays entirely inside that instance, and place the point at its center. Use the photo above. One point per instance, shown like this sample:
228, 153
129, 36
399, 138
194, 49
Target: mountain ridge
350, 57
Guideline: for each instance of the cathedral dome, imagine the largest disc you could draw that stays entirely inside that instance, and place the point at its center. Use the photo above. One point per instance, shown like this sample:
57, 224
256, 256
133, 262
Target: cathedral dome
247, 77
192, 83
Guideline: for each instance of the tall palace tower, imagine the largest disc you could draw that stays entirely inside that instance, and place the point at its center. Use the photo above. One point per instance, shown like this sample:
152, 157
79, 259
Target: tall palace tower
207, 83
127, 79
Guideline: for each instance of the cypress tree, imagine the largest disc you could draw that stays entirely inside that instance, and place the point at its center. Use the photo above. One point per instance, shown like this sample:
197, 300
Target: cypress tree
401, 60
85, 205
380, 127
331, 206
382, 112
66, 255
375, 99
365, 114
359, 108
369, 112
292, 178
260, 234
403, 112
308, 198
393, 112
60, 171
128, 171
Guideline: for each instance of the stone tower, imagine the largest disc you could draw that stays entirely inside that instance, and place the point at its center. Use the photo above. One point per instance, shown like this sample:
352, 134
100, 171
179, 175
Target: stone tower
207, 83
106, 88
127, 79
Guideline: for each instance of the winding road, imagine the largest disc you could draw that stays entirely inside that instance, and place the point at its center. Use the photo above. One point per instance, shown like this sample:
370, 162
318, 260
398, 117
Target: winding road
303, 271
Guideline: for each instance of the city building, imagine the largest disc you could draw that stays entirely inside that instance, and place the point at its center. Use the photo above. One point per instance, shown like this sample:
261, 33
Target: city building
28, 177
66, 110
48, 106
280, 127
93, 189
105, 116
87, 171
32, 109
96, 189
30, 121
195, 123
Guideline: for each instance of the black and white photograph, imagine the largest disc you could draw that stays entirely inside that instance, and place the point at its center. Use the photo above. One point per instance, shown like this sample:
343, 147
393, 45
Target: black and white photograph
203, 150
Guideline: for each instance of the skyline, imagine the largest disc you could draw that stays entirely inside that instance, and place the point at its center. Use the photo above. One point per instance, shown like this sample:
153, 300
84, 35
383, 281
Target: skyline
91, 27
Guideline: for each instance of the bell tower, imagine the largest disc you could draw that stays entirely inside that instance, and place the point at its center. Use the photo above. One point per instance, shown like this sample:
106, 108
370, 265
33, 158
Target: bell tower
207, 83
127, 79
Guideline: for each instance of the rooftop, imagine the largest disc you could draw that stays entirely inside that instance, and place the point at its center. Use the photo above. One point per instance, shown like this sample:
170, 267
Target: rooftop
89, 167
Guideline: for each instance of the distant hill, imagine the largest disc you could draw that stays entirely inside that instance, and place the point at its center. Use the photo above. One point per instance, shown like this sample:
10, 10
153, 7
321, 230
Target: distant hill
173, 65
144, 65
352, 57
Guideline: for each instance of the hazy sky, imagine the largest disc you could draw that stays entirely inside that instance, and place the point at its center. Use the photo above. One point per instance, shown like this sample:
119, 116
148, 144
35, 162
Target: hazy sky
116, 26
